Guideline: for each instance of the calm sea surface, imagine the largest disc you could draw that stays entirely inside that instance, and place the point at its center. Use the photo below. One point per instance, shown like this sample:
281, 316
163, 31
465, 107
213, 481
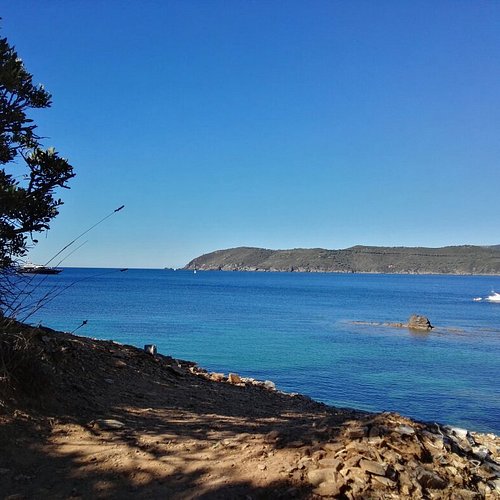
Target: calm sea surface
297, 330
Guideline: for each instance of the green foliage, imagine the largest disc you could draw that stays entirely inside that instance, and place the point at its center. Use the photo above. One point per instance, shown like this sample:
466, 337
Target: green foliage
29, 174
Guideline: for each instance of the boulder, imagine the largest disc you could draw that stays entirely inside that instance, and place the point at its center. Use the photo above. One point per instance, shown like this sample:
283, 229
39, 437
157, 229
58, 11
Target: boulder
234, 378
417, 322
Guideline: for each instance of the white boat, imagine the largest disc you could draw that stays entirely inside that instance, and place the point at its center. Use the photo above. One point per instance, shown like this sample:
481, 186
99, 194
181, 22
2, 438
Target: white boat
494, 297
30, 268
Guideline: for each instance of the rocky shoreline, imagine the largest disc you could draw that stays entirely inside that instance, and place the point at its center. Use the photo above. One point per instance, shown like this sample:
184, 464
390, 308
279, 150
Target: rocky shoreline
250, 269
112, 421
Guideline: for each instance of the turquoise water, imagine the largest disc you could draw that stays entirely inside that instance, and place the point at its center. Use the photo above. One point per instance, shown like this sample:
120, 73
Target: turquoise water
297, 329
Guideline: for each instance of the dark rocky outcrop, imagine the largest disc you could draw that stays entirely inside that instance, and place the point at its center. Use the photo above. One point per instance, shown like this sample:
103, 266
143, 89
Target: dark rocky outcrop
466, 259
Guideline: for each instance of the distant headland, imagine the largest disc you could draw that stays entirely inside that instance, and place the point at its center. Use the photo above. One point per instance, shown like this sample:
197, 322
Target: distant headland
464, 259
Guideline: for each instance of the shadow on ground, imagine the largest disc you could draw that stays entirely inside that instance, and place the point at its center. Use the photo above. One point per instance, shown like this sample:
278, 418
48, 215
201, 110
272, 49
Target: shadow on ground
118, 423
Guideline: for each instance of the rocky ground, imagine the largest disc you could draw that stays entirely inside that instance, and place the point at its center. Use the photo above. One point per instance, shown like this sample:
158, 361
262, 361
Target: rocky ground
83, 418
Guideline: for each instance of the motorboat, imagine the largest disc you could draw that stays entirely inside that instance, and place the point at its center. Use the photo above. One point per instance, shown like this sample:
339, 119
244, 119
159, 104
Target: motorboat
29, 268
494, 297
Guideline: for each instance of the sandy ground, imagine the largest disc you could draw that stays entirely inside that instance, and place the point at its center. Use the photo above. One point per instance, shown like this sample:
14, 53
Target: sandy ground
111, 421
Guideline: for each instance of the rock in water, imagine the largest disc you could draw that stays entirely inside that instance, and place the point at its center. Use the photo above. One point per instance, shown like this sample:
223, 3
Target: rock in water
417, 322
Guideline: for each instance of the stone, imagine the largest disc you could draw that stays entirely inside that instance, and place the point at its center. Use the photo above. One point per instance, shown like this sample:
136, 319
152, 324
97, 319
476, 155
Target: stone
328, 489
433, 442
417, 322
269, 385
463, 494
332, 463
405, 430
359, 477
483, 489
318, 476
351, 462
272, 436
405, 490
217, 377
458, 431
459, 445
119, 364
333, 447
234, 378
109, 424
385, 481
429, 479
372, 467
358, 446
150, 349
492, 467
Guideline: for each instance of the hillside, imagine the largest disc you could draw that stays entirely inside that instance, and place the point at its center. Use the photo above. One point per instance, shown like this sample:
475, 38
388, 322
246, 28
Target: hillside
85, 418
466, 259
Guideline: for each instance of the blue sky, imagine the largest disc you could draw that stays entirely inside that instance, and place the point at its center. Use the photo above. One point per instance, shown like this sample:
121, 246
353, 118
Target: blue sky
277, 124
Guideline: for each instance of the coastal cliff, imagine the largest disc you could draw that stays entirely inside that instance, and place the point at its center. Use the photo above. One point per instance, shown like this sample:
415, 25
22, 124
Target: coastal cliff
465, 259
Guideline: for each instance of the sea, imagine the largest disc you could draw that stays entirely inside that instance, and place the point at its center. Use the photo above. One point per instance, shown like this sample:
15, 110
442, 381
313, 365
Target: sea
319, 334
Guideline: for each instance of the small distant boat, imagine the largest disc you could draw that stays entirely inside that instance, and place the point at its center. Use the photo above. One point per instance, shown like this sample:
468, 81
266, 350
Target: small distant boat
494, 297
29, 268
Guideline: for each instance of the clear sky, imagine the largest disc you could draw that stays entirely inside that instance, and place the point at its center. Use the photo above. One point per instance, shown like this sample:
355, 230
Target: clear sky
267, 123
